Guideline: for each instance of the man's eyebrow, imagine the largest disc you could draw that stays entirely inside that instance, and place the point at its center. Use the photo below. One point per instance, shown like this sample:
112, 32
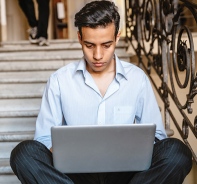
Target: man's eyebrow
87, 42
108, 42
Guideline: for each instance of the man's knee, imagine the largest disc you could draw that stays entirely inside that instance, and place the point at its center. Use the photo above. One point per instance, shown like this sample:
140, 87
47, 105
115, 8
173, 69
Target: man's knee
179, 149
22, 152
177, 154
184, 153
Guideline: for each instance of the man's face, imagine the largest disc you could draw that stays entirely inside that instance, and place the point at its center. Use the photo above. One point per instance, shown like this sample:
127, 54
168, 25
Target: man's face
98, 47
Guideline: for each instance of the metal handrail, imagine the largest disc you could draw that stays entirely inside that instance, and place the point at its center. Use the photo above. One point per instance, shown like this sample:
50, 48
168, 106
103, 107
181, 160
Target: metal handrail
161, 34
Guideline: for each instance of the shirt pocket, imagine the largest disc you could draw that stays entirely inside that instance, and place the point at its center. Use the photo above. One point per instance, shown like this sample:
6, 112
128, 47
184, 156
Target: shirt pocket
123, 114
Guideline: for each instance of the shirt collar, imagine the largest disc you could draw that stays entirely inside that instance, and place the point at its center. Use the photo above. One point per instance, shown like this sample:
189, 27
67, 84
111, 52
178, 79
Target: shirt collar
120, 71
81, 66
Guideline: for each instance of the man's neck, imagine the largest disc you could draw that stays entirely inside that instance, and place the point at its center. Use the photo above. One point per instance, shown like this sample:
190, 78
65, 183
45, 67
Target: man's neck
104, 79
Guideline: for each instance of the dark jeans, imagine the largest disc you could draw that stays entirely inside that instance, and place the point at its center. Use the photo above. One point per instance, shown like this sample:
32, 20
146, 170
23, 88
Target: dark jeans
32, 162
43, 15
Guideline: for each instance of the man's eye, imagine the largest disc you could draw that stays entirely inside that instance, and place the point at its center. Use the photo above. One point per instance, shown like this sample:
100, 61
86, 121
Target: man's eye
107, 46
89, 46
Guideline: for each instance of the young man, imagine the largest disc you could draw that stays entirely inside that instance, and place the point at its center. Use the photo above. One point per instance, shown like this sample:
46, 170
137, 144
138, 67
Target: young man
101, 89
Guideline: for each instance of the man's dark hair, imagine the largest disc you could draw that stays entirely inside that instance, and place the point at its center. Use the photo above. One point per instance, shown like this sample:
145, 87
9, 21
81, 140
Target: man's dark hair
97, 13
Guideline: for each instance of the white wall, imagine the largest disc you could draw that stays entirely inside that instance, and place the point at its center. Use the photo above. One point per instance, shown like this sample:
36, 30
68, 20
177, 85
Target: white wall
16, 23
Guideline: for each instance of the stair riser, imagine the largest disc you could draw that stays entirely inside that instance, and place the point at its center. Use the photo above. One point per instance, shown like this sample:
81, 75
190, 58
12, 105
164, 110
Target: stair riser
9, 179
16, 136
21, 90
6, 148
25, 77
19, 108
32, 66
17, 124
40, 54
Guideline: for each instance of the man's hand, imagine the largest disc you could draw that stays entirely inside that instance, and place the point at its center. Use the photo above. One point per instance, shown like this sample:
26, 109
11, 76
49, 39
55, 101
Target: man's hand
51, 149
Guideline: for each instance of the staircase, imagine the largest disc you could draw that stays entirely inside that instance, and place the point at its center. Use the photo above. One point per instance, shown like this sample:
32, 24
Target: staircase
24, 70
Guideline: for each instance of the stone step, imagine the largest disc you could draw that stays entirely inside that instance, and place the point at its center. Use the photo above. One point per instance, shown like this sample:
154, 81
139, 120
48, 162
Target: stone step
25, 77
6, 174
13, 137
41, 55
31, 66
52, 47
9, 179
52, 42
5, 166
17, 124
6, 148
8, 140
19, 108
28, 90
18, 113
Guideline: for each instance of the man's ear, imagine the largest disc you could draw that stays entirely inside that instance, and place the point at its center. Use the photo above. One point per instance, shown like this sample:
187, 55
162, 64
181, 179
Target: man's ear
118, 37
79, 37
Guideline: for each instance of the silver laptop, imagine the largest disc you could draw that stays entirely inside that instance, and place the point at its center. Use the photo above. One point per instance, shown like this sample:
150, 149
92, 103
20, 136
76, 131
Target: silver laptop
107, 148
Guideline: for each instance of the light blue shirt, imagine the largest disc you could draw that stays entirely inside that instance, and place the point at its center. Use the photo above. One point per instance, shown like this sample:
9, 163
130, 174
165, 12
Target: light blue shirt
72, 95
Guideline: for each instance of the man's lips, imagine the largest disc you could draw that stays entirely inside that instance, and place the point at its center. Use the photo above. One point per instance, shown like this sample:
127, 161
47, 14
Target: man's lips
98, 64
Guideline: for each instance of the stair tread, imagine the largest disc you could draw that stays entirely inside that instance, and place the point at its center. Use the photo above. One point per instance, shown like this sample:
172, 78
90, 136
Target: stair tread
5, 166
6, 148
17, 133
52, 41
32, 66
40, 55
16, 136
4, 162
9, 179
18, 113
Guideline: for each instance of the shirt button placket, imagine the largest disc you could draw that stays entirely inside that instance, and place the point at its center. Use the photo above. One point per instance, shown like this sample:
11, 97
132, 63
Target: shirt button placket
101, 113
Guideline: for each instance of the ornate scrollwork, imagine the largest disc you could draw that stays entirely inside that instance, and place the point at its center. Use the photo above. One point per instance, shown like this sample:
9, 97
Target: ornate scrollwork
149, 17
183, 58
148, 26
165, 41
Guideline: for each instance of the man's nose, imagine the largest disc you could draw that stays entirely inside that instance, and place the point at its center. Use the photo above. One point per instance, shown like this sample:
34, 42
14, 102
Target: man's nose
98, 53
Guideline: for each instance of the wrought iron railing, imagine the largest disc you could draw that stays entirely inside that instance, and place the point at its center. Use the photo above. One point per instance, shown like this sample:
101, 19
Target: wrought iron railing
162, 34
